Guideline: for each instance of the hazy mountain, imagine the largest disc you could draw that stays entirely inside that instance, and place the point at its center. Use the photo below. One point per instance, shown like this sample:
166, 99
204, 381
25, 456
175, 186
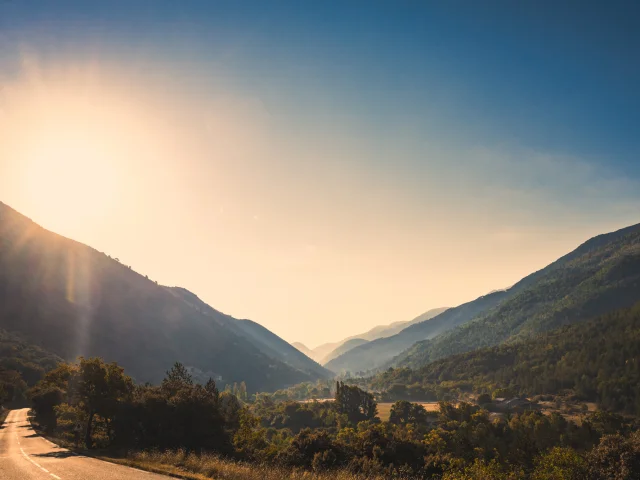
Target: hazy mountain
303, 348
560, 279
374, 354
396, 327
600, 276
345, 347
73, 300
328, 351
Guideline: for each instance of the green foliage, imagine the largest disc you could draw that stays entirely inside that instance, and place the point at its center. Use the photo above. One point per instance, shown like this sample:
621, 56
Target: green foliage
460, 442
598, 361
12, 387
616, 457
100, 389
355, 403
560, 463
403, 412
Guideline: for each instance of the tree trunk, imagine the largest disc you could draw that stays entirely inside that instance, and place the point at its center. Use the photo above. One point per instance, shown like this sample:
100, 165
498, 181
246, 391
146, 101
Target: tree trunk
87, 438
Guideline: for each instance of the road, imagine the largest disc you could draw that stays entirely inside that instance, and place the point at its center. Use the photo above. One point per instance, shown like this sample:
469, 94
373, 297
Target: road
25, 455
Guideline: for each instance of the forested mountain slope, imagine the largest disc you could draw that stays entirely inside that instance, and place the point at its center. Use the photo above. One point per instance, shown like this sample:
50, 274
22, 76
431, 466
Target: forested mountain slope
560, 283
600, 276
259, 336
73, 300
599, 360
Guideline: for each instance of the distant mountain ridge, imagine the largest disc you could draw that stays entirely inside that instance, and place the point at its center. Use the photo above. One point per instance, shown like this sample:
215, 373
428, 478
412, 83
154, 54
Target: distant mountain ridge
327, 351
73, 300
404, 349
377, 353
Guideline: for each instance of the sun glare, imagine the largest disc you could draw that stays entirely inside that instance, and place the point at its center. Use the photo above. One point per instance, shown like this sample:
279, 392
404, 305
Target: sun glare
70, 138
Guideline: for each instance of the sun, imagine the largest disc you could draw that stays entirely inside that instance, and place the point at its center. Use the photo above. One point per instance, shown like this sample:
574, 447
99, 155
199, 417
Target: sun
67, 142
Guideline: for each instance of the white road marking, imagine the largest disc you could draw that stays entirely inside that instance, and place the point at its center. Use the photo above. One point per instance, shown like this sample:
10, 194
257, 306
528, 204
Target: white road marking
38, 465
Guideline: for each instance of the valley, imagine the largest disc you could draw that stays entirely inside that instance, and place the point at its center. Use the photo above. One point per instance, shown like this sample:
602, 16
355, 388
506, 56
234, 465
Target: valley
559, 348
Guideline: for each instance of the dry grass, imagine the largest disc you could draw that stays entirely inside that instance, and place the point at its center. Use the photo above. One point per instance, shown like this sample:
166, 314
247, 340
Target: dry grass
384, 409
200, 467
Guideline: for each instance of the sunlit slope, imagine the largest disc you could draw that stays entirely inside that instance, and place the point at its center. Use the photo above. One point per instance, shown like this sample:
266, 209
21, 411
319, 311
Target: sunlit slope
73, 300
600, 276
575, 285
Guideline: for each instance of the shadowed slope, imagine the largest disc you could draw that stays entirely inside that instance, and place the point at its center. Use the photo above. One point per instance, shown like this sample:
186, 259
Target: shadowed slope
73, 300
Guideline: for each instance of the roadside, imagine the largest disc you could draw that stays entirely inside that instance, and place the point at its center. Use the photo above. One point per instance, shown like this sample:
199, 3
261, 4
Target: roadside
3, 415
189, 466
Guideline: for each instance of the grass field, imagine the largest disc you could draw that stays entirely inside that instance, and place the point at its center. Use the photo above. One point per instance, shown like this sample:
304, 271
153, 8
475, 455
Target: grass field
384, 409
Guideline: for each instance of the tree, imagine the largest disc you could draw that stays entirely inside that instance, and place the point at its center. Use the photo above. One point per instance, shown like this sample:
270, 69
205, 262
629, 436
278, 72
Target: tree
560, 463
403, 412
100, 388
211, 388
357, 404
616, 458
177, 379
242, 391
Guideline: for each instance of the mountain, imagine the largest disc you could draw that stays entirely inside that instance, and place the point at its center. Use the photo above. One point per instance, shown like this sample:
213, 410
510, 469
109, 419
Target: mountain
541, 292
328, 351
260, 337
303, 348
72, 300
600, 276
29, 360
377, 353
345, 347
599, 360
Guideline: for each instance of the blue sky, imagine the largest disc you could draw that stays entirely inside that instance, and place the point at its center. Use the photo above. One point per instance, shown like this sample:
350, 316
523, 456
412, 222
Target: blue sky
372, 131
550, 75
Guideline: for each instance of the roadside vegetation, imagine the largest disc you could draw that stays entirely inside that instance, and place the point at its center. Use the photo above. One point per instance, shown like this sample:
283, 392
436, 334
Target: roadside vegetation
181, 427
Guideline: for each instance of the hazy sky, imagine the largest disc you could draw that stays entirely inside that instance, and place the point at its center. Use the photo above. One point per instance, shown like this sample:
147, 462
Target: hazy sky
323, 167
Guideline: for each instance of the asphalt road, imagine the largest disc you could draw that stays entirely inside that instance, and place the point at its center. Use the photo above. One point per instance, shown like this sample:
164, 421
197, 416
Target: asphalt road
25, 455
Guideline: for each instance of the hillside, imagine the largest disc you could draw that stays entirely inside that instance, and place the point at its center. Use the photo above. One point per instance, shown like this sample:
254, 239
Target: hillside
600, 276
303, 348
73, 300
374, 354
345, 347
598, 360
29, 360
536, 294
260, 337
328, 351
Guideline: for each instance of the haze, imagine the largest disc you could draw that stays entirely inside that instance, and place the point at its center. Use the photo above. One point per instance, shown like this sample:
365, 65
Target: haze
296, 170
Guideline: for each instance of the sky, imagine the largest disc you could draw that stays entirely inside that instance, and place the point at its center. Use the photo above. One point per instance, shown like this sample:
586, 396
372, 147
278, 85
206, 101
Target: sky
323, 167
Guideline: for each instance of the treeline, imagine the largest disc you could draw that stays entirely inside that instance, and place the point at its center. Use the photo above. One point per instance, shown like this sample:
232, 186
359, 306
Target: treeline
95, 404
304, 391
597, 361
